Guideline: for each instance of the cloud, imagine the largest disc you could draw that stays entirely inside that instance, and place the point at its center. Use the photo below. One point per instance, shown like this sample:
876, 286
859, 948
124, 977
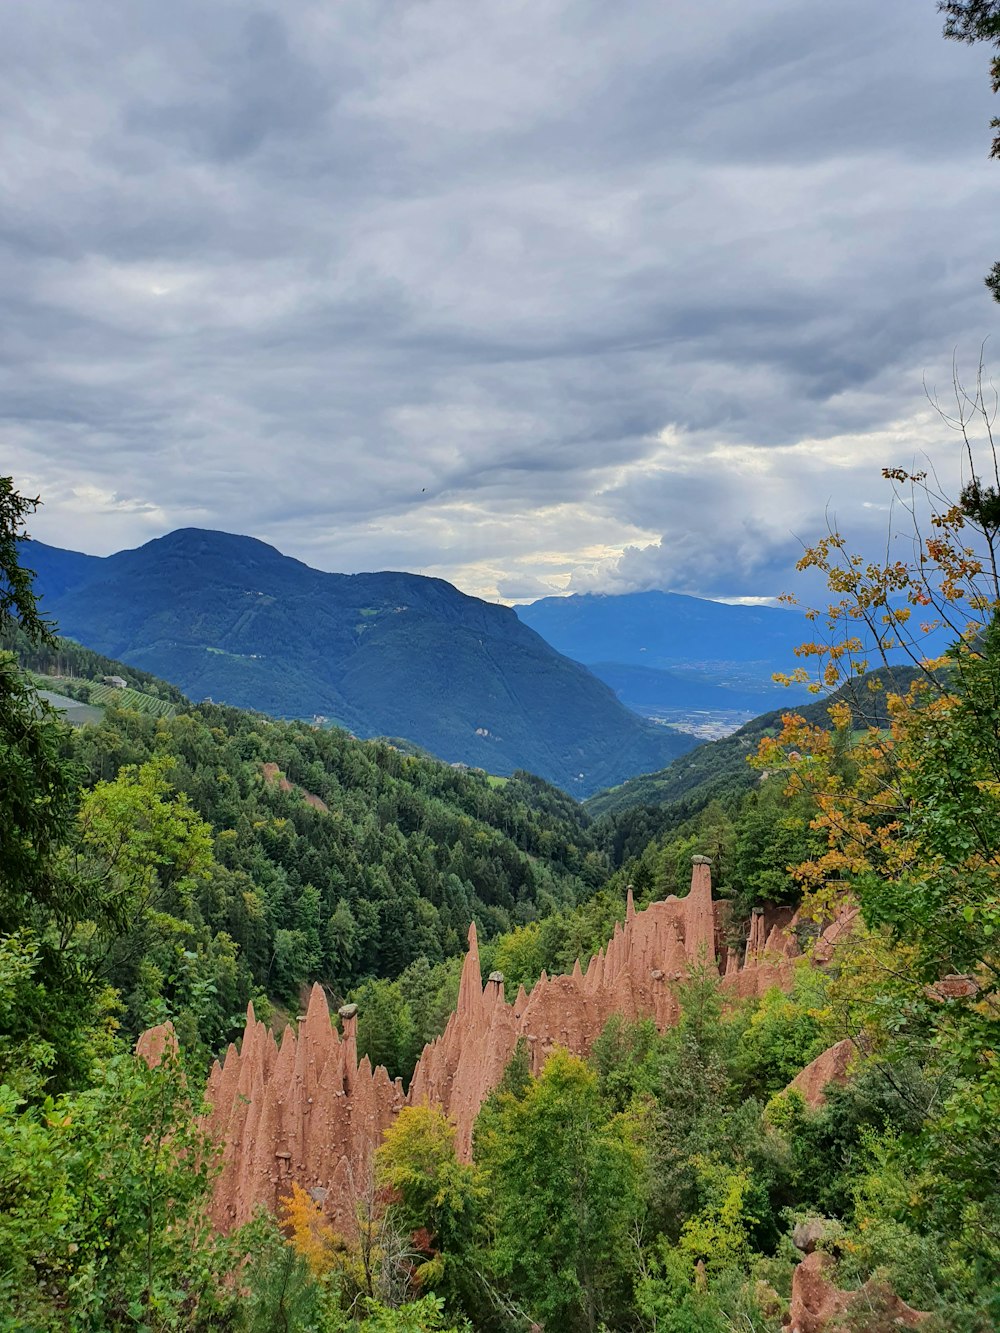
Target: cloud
719, 539
525, 588
556, 299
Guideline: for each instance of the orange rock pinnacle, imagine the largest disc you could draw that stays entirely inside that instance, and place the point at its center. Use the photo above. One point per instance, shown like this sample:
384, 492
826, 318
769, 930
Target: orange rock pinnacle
308, 1112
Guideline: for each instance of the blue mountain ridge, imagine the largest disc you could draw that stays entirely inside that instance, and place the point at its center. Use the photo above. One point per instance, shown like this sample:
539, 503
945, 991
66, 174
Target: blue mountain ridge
663, 630
663, 651
385, 653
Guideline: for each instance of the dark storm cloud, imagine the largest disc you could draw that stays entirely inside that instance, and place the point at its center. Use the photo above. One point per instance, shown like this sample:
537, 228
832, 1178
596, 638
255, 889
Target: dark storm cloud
492, 291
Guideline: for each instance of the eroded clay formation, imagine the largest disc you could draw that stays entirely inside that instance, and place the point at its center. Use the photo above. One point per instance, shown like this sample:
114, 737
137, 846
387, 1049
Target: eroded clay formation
310, 1112
832, 1066
819, 1304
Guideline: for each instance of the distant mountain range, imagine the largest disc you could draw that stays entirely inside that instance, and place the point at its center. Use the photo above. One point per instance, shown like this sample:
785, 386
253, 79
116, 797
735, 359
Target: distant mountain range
662, 652
391, 654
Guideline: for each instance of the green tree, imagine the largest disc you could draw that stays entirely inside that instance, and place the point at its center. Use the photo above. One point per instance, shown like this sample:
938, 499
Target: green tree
141, 855
774, 837
668, 1299
36, 795
436, 1197
707, 1132
385, 1026
281, 1292
564, 1178
979, 21
780, 1035
423, 1316
145, 847
912, 824
48, 1004
101, 1218
627, 1057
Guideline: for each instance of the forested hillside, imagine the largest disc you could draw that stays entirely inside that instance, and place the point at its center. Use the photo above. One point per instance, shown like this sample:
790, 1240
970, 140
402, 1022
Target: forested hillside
175, 867
333, 859
383, 654
80, 667
719, 768
356, 864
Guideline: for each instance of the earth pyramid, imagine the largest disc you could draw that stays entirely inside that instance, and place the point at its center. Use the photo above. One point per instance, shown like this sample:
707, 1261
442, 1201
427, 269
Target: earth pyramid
308, 1111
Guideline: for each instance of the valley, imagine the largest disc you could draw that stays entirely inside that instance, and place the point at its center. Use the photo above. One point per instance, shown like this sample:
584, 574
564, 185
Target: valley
499, 668
227, 880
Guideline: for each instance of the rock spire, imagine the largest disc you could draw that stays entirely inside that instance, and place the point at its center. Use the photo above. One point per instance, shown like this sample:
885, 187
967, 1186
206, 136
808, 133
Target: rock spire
307, 1111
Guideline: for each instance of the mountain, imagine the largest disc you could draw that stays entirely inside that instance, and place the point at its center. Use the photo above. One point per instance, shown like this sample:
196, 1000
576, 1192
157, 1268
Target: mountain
730, 646
685, 659
703, 666
336, 859
62, 570
231, 618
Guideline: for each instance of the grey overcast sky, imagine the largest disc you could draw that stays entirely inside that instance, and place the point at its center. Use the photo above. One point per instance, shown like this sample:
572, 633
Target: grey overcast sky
546, 296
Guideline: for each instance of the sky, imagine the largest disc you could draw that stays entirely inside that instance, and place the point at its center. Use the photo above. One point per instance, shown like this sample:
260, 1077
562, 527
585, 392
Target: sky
544, 297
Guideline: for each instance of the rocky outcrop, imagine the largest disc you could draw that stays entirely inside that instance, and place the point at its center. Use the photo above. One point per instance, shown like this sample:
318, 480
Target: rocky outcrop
812, 1232
305, 1111
953, 987
310, 1112
634, 976
157, 1042
819, 1305
829, 1067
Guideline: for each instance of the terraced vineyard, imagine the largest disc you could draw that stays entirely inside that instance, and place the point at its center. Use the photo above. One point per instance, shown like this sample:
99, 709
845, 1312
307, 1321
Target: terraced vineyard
101, 695
128, 698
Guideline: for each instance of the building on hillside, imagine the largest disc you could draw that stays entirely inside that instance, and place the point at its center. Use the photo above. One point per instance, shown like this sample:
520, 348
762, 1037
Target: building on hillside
116, 682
